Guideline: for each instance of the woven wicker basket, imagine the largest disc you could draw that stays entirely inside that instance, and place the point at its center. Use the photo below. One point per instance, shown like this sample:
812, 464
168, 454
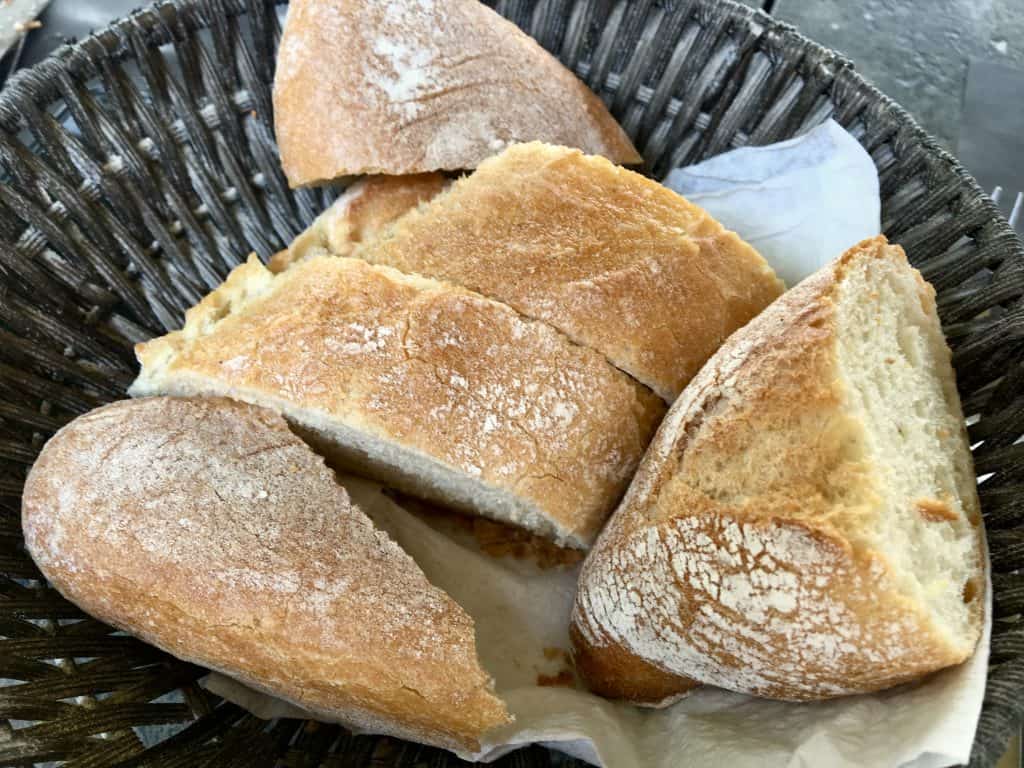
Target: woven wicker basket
141, 166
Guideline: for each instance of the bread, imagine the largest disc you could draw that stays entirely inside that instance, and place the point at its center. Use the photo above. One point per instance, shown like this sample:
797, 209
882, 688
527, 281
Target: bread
806, 523
359, 215
612, 259
205, 527
407, 86
427, 387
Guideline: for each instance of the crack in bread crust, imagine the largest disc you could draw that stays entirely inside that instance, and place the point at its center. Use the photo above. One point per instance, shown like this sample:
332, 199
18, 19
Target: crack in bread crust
429, 387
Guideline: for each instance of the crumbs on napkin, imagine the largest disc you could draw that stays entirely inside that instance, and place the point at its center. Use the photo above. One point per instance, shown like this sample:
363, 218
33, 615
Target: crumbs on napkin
492, 538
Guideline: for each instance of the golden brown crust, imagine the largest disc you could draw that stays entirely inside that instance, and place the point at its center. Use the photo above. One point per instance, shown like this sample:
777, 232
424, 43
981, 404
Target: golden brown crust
612, 259
205, 527
359, 215
422, 85
616, 673
740, 569
430, 368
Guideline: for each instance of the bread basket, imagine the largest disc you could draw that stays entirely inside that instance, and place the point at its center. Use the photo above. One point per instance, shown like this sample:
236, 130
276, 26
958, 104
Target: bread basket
140, 165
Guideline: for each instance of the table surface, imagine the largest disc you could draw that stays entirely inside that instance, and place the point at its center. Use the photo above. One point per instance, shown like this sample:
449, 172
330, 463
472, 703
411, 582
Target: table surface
920, 54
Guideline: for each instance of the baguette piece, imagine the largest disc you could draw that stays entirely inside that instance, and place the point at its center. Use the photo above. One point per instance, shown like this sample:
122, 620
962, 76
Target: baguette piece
406, 86
612, 259
205, 527
359, 215
806, 522
430, 388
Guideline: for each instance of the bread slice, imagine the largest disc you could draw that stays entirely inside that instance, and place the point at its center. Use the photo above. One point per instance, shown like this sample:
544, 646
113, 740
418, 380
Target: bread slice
430, 388
205, 527
612, 259
407, 86
359, 215
806, 523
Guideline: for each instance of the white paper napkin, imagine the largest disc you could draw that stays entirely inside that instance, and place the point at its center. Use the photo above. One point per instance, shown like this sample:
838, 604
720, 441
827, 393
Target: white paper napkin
521, 612
800, 202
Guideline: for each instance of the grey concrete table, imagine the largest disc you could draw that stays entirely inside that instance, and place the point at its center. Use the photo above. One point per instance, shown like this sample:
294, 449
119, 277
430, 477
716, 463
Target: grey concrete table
65, 19
916, 51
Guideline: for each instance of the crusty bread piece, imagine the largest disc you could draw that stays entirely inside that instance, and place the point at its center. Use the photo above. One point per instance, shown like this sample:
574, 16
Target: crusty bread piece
406, 86
806, 522
359, 215
430, 388
612, 259
205, 527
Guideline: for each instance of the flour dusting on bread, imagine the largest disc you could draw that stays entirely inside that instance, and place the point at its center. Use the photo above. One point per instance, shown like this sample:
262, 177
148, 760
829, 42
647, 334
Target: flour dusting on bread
405, 66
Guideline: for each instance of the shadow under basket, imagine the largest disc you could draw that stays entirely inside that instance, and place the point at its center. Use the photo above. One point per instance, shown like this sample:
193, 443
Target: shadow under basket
140, 166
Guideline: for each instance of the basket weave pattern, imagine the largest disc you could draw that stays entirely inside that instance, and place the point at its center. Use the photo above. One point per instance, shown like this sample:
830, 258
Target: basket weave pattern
140, 167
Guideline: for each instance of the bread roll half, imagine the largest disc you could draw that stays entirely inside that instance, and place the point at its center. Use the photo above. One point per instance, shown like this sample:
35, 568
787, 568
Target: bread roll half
806, 522
205, 527
614, 260
430, 388
406, 86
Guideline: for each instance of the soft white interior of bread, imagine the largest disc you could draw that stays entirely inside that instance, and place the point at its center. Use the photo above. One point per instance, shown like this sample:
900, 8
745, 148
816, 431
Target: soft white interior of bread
895, 363
421, 475
351, 448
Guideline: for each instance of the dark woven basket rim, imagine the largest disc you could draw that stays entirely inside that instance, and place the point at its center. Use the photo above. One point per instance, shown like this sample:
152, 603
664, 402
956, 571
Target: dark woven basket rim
83, 59
79, 58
